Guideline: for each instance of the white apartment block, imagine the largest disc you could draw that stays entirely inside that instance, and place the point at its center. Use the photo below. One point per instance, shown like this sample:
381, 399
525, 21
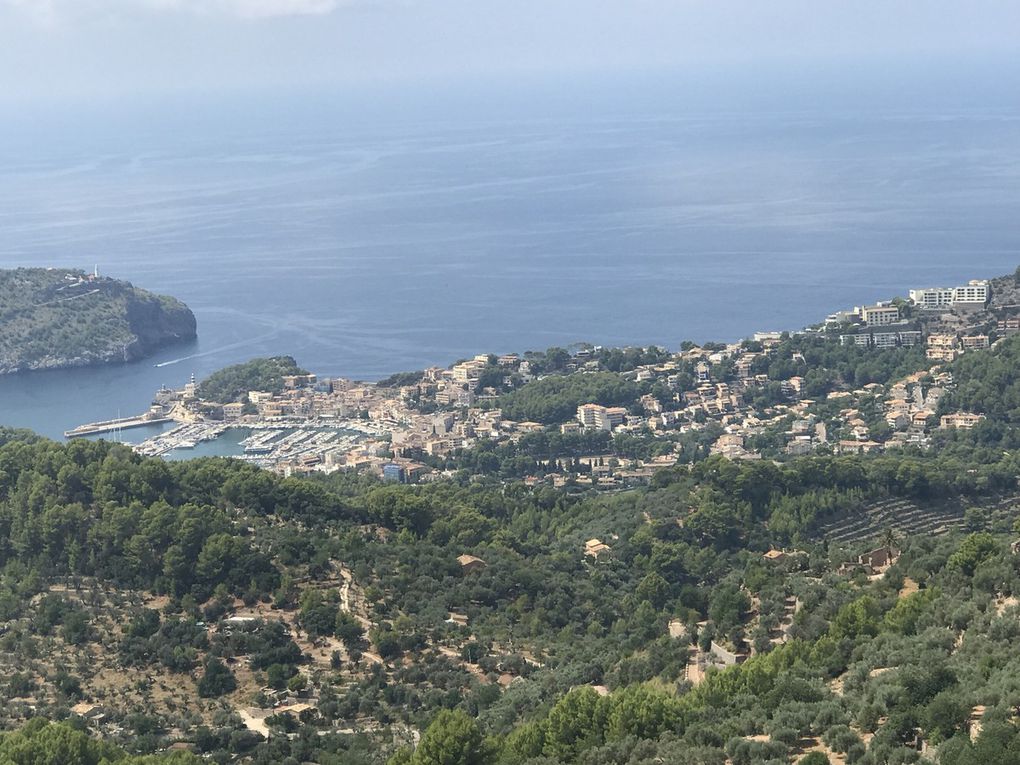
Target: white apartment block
888, 338
598, 417
610, 417
975, 292
885, 339
857, 339
910, 337
586, 415
932, 297
879, 315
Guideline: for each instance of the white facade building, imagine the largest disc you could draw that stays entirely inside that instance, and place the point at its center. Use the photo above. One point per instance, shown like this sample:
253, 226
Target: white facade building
932, 297
975, 292
598, 417
880, 315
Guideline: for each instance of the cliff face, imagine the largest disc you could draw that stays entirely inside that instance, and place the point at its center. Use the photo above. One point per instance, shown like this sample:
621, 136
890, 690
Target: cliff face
53, 319
157, 321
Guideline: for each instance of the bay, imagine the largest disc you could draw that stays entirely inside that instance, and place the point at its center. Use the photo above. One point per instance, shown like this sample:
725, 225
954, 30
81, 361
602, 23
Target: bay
366, 249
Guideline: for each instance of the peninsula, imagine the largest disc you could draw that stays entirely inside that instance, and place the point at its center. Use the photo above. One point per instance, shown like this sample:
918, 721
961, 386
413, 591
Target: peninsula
60, 318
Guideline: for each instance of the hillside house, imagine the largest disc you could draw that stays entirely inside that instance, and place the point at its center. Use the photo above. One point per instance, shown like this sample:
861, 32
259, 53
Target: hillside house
470, 563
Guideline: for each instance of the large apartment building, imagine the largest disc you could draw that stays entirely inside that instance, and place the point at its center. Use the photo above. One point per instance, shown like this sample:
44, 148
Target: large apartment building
948, 347
974, 293
931, 298
469, 371
962, 420
879, 315
888, 336
595, 417
974, 342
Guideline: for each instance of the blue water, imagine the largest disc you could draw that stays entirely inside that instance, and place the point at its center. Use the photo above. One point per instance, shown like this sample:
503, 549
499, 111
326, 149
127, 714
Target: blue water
365, 250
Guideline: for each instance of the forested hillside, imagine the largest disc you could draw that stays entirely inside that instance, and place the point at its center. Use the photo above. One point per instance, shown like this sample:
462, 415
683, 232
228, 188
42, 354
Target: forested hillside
244, 615
555, 399
988, 383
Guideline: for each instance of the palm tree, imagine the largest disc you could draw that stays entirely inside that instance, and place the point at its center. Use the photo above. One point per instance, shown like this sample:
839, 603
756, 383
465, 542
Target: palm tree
889, 538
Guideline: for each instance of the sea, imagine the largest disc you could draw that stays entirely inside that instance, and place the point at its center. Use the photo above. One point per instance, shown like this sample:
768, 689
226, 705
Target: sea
367, 241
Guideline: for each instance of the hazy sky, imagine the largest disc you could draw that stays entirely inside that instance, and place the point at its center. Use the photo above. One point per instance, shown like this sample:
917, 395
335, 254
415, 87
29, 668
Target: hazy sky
63, 49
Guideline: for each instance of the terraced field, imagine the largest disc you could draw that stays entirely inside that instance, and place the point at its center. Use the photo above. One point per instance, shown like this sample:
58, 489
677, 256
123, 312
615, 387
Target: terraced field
906, 517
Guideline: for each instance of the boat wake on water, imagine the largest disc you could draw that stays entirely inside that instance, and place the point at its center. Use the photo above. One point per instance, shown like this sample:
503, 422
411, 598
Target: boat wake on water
221, 349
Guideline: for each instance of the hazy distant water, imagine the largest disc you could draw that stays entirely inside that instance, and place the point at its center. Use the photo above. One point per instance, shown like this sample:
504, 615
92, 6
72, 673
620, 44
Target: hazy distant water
367, 251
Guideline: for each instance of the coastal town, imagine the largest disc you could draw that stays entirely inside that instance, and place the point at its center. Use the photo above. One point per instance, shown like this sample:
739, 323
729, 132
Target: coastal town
732, 399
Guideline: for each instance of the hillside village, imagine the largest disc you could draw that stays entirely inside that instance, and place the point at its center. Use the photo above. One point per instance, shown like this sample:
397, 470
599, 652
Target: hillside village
745, 400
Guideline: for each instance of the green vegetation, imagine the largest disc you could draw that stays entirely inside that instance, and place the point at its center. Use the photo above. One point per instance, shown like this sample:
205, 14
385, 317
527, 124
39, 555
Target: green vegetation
401, 379
44, 743
825, 364
211, 535
542, 452
233, 383
94, 509
555, 399
59, 318
626, 359
987, 383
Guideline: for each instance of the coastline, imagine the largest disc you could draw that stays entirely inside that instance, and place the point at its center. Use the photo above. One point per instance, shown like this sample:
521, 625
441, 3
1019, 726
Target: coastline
724, 396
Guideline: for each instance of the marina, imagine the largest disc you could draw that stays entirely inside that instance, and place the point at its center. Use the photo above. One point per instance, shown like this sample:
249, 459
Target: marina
305, 445
303, 442
286, 443
184, 436
262, 444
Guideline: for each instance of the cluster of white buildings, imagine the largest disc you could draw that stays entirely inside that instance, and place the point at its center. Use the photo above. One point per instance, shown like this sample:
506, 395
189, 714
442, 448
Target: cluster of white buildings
879, 326
882, 325
887, 337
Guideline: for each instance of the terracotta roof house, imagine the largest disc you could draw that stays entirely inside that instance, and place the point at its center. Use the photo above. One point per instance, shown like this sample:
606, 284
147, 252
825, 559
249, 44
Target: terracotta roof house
469, 563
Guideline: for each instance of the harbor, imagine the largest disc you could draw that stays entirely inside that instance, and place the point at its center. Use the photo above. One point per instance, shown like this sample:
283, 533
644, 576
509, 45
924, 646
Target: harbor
289, 444
264, 444
185, 436
310, 446
300, 425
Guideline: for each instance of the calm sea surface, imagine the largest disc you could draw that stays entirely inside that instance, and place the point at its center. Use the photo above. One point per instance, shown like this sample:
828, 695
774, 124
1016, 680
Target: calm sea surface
367, 251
